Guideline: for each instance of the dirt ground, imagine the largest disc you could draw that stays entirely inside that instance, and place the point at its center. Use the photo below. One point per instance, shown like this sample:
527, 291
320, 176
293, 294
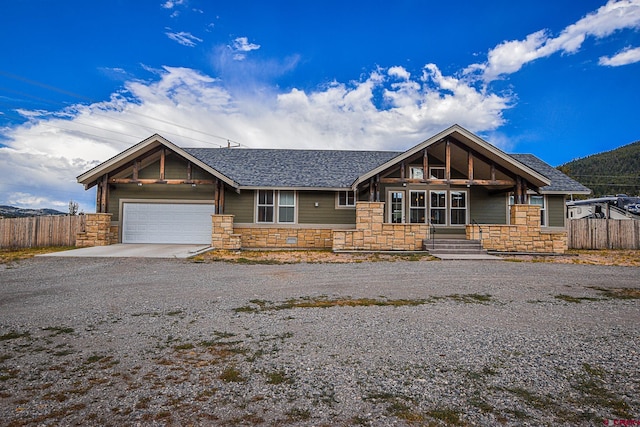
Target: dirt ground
626, 258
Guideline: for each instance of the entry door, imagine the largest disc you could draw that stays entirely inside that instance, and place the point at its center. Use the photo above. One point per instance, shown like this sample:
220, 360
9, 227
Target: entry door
396, 212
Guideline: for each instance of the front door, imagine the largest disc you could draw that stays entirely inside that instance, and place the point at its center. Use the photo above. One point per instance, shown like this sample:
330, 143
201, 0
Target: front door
396, 213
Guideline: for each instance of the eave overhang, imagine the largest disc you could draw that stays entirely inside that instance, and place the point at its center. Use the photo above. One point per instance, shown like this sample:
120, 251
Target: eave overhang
474, 142
89, 178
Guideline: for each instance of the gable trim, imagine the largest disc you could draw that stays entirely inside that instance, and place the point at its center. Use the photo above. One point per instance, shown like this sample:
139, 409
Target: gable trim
90, 178
483, 147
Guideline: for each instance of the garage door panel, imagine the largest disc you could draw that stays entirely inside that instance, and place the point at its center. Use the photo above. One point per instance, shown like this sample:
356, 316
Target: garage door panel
166, 223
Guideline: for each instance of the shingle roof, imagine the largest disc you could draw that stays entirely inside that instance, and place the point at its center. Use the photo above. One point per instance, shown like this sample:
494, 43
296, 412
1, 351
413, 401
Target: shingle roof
291, 168
331, 168
559, 181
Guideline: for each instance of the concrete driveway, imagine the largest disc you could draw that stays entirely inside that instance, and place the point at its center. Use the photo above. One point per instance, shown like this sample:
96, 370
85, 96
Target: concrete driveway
134, 250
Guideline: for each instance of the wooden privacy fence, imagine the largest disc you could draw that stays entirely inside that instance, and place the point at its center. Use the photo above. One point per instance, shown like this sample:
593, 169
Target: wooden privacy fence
40, 231
603, 234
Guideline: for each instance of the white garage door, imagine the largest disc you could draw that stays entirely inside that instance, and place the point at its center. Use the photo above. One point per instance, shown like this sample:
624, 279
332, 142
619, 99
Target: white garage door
166, 223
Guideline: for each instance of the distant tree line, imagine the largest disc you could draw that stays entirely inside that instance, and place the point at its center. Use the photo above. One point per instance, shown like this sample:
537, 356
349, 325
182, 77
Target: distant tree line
609, 173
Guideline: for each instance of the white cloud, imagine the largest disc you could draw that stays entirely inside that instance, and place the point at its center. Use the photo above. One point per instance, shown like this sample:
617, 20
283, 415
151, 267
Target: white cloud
399, 72
184, 38
170, 4
42, 157
509, 56
240, 46
626, 56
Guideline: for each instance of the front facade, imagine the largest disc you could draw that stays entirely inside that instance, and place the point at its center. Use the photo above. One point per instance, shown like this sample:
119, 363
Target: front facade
157, 192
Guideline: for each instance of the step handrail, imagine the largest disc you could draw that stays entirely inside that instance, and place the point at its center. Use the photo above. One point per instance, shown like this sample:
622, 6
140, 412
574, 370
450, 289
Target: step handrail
474, 222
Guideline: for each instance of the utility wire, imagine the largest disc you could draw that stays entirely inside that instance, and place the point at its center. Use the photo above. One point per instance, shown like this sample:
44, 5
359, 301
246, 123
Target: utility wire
75, 95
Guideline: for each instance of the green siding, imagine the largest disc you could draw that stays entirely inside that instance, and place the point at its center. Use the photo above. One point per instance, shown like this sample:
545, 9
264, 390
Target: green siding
155, 191
555, 210
485, 208
326, 212
241, 205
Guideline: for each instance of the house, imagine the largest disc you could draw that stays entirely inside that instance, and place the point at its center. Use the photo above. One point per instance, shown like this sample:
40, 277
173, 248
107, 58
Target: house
452, 185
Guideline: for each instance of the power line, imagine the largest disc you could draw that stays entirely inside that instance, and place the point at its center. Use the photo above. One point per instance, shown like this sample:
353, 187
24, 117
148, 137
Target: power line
75, 95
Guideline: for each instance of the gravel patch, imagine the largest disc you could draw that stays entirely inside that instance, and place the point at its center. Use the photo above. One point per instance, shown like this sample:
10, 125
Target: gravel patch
159, 342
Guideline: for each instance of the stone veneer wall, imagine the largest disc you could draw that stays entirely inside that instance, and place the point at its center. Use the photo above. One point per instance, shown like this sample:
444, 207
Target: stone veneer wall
226, 236
222, 234
373, 234
523, 235
97, 231
307, 238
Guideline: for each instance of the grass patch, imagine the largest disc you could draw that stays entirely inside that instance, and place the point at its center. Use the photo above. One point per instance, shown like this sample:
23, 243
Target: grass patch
298, 414
186, 346
57, 330
8, 256
471, 298
591, 384
14, 335
175, 313
449, 416
256, 306
324, 302
401, 410
618, 293
278, 377
232, 375
577, 300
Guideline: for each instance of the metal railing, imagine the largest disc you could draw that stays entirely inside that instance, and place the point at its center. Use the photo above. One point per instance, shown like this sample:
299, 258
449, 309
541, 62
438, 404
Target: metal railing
474, 222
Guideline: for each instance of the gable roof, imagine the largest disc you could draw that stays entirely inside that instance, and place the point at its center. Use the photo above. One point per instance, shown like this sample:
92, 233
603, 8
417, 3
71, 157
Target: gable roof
560, 183
328, 169
127, 156
273, 168
477, 144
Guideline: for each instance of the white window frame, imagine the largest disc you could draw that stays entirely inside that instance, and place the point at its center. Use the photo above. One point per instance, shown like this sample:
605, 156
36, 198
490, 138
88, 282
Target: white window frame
454, 208
282, 205
416, 172
402, 206
440, 208
418, 208
347, 195
272, 205
437, 168
543, 207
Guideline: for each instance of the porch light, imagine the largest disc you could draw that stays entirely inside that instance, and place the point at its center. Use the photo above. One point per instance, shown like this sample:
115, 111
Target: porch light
139, 184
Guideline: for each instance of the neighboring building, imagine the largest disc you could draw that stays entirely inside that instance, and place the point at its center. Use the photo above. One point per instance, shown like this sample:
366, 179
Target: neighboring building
157, 192
619, 206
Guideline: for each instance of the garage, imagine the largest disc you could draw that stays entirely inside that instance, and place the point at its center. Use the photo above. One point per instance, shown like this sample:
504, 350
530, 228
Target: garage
188, 223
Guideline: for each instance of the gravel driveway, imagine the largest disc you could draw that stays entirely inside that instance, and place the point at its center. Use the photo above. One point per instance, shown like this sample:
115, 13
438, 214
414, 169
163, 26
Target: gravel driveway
158, 342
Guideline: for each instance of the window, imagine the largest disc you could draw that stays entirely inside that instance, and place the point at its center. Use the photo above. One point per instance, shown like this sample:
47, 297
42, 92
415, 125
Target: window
436, 173
539, 201
438, 212
418, 207
265, 206
397, 207
286, 206
458, 207
346, 199
416, 173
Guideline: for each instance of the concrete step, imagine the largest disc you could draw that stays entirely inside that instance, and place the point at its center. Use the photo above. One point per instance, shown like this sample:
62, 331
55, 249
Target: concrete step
457, 249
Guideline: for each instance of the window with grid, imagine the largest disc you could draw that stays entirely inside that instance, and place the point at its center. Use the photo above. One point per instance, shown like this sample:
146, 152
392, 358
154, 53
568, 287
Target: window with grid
286, 206
346, 199
438, 207
418, 207
265, 206
458, 207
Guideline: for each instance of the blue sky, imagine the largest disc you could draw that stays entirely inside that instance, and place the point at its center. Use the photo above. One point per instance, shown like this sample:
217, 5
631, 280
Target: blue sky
81, 81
